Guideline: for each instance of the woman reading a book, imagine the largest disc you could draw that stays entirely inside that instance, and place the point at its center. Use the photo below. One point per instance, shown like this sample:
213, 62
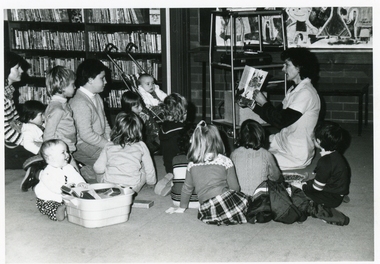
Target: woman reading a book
298, 114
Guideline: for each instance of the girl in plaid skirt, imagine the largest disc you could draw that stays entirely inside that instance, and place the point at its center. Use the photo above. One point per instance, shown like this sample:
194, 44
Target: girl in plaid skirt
213, 177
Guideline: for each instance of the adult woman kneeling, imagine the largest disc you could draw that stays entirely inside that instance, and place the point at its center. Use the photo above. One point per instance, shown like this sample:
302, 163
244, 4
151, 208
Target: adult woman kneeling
298, 114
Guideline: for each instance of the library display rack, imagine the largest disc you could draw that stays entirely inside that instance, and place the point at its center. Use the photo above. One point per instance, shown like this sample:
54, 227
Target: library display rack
242, 37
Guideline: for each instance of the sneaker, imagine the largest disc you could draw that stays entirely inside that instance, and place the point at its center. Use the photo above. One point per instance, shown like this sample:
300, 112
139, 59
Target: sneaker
346, 199
31, 178
164, 186
31, 161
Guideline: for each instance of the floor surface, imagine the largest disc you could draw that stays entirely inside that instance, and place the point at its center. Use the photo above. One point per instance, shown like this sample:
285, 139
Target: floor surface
151, 235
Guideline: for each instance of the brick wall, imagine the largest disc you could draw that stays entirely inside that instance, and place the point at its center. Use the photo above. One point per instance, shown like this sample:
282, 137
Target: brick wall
335, 67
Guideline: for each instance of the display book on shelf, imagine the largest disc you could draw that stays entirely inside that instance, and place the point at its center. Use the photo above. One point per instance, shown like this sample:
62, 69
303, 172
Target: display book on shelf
42, 37
253, 46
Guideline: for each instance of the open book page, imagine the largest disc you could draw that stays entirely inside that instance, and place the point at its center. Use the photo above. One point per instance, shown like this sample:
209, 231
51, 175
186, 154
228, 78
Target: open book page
252, 79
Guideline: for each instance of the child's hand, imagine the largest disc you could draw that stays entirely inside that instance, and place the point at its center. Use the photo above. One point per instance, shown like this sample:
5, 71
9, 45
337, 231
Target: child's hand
83, 185
177, 210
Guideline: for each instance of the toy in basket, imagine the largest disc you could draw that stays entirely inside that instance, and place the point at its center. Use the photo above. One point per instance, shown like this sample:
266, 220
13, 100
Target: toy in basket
102, 204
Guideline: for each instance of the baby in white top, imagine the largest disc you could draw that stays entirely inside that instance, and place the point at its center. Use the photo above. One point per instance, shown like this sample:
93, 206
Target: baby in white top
151, 93
57, 173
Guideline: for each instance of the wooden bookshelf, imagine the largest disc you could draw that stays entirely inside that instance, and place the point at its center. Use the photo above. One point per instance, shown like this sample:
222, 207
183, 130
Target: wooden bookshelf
50, 37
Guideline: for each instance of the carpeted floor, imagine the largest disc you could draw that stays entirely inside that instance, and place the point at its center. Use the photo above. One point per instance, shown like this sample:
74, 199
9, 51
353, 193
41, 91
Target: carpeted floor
151, 235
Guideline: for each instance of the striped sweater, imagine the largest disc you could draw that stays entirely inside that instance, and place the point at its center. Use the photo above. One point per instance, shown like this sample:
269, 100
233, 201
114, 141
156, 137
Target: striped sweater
11, 135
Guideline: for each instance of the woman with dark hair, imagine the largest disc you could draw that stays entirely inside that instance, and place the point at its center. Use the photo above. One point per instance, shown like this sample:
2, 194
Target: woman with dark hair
298, 114
15, 155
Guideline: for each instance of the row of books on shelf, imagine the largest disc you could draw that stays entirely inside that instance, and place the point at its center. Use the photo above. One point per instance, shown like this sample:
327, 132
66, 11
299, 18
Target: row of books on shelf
28, 93
48, 40
47, 15
152, 67
146, 42
114, 98
118, 15
39, 66
94, 15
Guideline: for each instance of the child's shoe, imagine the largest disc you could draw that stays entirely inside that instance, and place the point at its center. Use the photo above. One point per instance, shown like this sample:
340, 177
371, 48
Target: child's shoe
164, 186
31, 161
346, 199
31, 178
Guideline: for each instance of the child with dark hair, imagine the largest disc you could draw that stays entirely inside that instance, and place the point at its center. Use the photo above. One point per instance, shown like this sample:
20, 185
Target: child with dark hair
126, 159
131, 102
93, 130
254, 164
332, 173
33, 117
32, 130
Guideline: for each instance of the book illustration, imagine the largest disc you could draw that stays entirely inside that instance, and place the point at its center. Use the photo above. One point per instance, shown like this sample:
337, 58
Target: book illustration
252, 79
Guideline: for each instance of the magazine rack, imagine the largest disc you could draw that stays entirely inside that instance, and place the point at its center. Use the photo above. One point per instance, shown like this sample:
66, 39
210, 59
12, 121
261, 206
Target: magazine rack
237, 38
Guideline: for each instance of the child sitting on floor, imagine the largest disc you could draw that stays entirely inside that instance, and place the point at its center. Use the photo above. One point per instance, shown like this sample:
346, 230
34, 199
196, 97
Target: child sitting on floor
175, 114
33, 118
253, 163
180, 163
131, 102
213, 177
332, 173
56, 174
126, 159
32, 131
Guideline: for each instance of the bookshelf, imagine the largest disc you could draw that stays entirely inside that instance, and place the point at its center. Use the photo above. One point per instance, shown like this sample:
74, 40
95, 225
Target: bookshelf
50, 37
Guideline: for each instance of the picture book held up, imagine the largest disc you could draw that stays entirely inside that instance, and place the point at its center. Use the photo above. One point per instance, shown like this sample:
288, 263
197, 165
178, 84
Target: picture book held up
252, 79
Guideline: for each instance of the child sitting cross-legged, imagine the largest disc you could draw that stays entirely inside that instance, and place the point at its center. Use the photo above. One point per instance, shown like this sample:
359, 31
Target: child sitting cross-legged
126, 160
213, 177
57, 173
254, 164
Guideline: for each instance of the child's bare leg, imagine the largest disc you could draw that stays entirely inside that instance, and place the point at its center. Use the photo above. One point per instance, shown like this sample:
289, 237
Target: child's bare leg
61, 212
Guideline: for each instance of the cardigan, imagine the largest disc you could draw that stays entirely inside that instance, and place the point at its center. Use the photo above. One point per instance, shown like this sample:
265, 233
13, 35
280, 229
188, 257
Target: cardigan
91, 123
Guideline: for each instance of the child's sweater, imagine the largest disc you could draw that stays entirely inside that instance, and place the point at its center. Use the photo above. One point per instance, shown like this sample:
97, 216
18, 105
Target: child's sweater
129, 166
59, 122
253, 167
